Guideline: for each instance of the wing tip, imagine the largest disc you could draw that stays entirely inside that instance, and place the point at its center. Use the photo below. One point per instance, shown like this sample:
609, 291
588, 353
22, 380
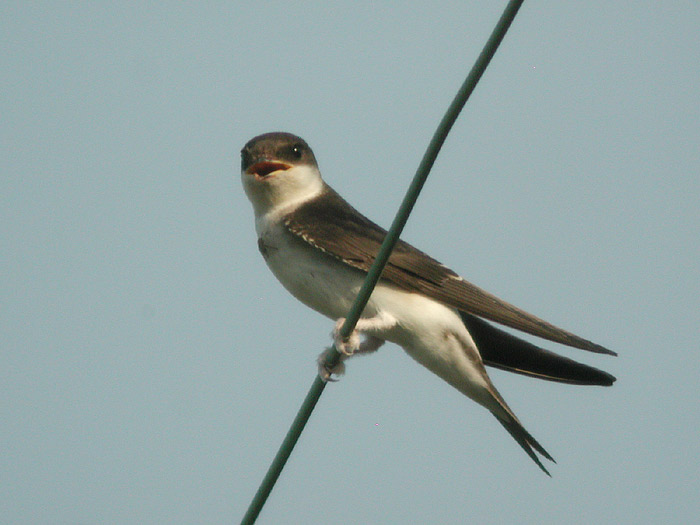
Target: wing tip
609, 379
508, 352
598, 349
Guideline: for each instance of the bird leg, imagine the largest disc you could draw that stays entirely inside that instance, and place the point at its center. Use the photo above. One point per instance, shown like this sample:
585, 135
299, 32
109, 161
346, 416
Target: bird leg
353, 345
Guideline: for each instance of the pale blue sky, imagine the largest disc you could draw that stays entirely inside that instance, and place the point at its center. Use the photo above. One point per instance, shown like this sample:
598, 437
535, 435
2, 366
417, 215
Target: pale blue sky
151, 364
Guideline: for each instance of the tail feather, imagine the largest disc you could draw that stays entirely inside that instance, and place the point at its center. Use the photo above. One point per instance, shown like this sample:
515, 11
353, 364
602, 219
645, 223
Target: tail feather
526, 441
515, 428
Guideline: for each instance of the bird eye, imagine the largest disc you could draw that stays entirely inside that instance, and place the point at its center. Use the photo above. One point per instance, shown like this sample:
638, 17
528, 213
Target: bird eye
297, 151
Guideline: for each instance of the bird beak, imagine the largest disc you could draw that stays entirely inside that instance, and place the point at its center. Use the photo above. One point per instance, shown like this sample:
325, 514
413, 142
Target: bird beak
264, 168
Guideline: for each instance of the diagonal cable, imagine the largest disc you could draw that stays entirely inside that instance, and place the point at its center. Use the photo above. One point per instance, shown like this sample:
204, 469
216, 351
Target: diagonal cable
375, 270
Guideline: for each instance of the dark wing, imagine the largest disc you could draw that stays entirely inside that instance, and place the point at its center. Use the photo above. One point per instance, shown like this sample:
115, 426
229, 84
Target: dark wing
508, 352
331, 225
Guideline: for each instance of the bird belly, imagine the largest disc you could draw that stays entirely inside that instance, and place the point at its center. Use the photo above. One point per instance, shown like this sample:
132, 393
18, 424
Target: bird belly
430, 332
434, 335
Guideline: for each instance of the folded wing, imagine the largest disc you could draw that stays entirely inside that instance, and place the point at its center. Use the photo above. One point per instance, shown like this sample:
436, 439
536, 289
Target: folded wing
331, 225
502, 350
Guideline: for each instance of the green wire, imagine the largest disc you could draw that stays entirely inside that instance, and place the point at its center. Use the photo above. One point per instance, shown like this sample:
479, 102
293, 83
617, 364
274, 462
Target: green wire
375, 270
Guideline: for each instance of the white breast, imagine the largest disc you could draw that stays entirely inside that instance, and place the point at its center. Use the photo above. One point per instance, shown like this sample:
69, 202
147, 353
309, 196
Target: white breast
316, 279
429, 331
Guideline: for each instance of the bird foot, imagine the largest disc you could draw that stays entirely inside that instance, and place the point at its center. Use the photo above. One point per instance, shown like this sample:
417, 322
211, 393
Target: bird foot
345, 346
325, 371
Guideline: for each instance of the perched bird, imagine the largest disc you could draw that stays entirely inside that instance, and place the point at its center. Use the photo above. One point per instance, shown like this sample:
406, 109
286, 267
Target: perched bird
320, 248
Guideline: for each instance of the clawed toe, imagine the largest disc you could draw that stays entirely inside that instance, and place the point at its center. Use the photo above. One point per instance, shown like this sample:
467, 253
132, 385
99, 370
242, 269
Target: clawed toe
345, 346
326, 372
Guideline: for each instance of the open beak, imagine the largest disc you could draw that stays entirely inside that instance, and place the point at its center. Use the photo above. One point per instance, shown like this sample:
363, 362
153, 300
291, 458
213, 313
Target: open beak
264, 168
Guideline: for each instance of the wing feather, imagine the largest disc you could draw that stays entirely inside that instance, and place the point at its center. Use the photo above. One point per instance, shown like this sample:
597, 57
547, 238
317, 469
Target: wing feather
333, 226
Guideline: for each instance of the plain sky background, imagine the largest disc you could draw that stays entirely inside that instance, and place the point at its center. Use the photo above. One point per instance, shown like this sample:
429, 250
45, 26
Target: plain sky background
150, 362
